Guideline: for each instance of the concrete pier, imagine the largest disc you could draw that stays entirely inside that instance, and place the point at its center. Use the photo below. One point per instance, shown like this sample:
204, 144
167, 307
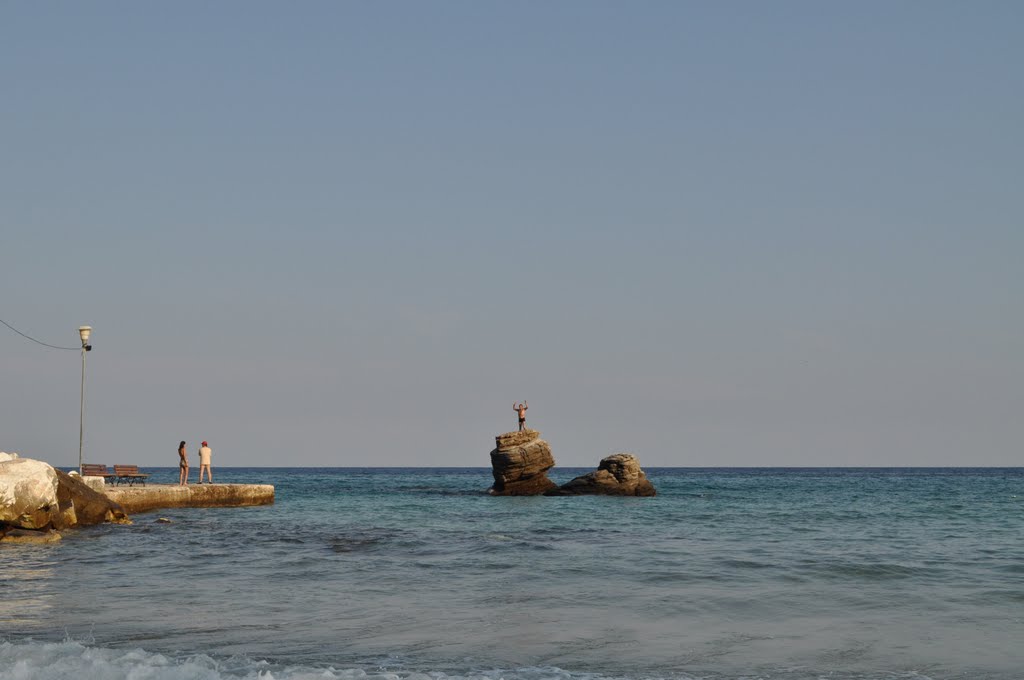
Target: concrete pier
157, 496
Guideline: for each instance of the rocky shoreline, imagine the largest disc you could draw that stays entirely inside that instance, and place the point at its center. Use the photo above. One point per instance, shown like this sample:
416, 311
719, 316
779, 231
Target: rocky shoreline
38, 502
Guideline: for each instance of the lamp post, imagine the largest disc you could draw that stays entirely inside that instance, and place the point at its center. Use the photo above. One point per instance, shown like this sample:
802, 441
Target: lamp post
84, 332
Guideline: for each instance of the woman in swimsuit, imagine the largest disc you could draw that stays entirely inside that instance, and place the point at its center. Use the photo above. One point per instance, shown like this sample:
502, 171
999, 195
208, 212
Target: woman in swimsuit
182, 465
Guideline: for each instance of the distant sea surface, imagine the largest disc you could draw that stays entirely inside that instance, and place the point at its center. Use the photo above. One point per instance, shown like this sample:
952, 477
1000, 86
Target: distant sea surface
787, 574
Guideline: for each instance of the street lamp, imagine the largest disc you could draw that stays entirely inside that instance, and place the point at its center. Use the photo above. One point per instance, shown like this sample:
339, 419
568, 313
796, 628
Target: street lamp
84, 332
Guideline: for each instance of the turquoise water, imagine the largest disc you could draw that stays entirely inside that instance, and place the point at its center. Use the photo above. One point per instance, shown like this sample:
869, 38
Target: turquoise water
414, 573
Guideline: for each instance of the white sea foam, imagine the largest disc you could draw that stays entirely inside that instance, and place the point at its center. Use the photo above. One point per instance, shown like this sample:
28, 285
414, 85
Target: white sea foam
31, 660
70, 659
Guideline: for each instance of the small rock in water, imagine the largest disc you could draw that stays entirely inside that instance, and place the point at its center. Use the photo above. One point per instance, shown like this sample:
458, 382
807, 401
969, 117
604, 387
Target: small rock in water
617, 475
163, 520
29, 536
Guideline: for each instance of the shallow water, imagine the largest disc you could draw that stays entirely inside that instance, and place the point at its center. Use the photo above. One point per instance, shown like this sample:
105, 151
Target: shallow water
727, 573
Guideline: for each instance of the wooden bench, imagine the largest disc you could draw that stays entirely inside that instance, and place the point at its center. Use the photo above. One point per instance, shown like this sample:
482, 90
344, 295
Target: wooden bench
130, 474
96, 470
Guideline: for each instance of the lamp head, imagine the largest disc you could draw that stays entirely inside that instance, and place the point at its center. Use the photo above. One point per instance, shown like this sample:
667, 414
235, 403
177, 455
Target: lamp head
85, 332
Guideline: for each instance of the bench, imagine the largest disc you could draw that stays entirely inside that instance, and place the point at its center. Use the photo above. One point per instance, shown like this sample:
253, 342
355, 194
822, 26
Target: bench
130, 474
96, 470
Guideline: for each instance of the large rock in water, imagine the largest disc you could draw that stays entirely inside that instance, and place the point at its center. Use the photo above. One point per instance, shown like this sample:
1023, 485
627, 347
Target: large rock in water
28, 493
616, 475
35, 496
520, 462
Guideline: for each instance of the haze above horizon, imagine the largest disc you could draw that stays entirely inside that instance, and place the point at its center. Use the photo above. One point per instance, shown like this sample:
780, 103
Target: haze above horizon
352, 234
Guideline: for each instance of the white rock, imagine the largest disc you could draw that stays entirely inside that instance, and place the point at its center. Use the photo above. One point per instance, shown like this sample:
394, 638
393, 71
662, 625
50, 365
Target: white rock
4, 457
28, 493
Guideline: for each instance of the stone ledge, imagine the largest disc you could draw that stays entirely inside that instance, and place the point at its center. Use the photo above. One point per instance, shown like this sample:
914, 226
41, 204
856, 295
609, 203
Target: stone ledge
157, 496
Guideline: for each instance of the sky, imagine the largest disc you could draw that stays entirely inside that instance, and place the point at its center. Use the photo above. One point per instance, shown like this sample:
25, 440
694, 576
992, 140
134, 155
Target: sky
354, 233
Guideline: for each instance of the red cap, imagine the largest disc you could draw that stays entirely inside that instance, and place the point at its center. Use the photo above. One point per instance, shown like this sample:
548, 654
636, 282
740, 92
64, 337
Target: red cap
204, 443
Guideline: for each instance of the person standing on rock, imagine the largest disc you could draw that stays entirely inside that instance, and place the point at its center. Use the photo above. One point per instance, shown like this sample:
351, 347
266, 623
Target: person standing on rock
204, 463
522, 413
182, 465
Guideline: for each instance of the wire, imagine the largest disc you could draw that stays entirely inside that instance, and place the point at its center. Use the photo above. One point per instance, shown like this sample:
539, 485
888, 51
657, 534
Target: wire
33, 339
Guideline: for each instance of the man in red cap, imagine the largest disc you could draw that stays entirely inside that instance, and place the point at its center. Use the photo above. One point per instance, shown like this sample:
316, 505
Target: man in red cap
204, 463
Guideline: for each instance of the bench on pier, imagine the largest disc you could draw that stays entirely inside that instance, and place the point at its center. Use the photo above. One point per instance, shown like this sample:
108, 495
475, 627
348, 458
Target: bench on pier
96, 470
130, 474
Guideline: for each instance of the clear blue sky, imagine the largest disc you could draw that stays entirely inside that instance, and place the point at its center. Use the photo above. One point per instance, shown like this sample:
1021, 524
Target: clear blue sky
328, 233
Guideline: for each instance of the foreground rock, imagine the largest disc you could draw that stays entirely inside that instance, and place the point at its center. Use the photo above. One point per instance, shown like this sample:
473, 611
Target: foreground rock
28, 493
36, 497
520, 462
616, 475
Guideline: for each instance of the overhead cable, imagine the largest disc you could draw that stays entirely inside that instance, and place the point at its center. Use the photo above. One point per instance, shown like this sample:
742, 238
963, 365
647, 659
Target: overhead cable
33, 339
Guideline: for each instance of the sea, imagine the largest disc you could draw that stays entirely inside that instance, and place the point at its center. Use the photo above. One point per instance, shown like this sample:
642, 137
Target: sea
419, 574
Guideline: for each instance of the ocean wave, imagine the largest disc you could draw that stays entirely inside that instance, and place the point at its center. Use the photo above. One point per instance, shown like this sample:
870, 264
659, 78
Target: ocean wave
869, 572
29, 660
372, 538
34, 660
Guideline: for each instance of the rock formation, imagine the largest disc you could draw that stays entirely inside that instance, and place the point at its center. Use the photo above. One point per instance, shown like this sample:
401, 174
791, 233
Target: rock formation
520, 462
34, 496
616, 475
28, 493
81, 505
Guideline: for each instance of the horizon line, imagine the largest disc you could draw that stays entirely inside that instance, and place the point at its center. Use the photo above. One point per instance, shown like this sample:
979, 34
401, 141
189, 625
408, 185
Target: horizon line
578, 467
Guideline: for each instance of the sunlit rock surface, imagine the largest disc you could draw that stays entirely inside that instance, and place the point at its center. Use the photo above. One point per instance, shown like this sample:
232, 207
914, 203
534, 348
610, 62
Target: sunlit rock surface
82, 505
28, 493
520, 462
36, 497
